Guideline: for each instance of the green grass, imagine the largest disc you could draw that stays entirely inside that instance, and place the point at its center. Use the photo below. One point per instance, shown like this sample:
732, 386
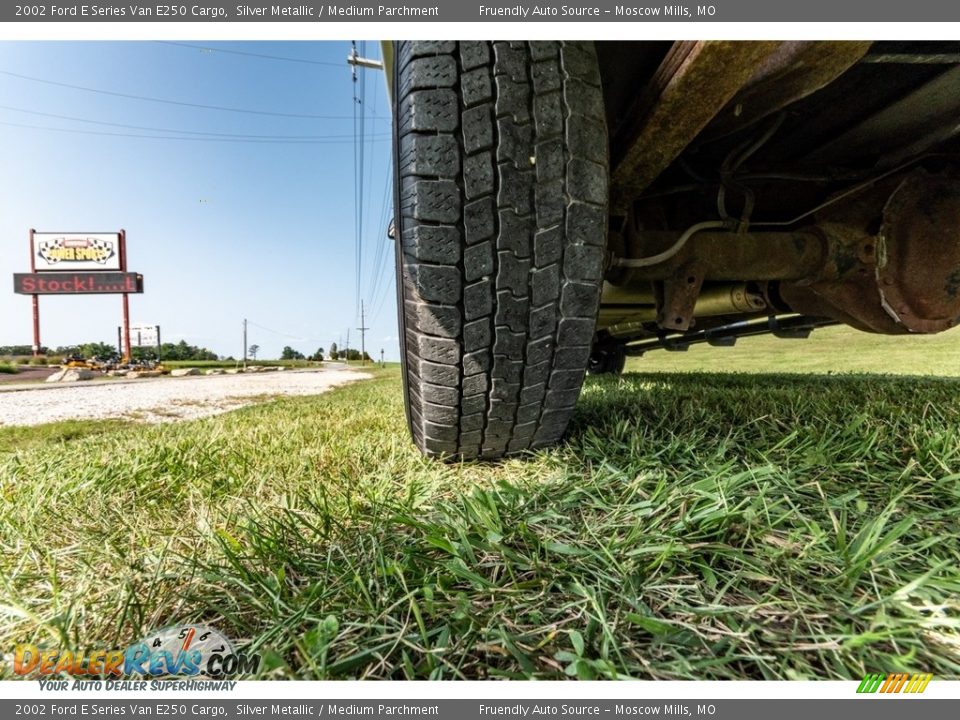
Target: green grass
829, 350
27, 360
720, 526
55, 435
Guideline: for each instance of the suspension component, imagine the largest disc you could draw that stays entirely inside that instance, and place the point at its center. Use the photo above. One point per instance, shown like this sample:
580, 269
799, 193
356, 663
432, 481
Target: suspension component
624, 321
883, 257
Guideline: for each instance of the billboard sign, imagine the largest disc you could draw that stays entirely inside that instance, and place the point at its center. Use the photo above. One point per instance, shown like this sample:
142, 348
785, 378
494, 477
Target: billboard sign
66, 252
77, 283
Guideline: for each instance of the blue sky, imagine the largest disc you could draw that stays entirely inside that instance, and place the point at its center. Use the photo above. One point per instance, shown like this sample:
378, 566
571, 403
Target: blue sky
221, 230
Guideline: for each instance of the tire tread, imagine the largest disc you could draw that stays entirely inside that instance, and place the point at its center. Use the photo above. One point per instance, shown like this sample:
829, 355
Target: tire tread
503, 170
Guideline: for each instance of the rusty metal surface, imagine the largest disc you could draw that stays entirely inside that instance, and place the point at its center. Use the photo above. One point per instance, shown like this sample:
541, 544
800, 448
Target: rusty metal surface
794, 71
729, 256
881, 254
694, 82
853, 303
918, 253
680, 293
885, 258
904, 278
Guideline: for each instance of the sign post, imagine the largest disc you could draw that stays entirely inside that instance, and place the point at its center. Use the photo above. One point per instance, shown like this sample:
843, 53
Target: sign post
76, 264
36, 302
126, 300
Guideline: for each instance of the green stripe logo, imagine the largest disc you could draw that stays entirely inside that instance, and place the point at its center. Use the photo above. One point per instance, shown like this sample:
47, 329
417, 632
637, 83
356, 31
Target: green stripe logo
870, 683
894, 683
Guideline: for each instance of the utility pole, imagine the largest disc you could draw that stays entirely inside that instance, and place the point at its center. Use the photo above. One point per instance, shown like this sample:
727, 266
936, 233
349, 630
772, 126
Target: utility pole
356, 61
381, 357
347, 355
244, 343
363, 337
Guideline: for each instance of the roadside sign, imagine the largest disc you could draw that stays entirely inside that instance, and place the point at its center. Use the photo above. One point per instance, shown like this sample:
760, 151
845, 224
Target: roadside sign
64, 263
77, 283
143, 335
65, 252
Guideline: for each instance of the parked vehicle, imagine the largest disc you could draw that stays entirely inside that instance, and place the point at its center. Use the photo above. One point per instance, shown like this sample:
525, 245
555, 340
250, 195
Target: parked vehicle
564, 205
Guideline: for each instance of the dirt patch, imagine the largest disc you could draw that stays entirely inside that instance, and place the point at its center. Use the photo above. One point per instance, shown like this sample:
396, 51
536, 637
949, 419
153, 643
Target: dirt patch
31, 374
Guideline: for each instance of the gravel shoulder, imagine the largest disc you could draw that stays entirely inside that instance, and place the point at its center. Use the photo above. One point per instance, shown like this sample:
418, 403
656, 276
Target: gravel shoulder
161, 399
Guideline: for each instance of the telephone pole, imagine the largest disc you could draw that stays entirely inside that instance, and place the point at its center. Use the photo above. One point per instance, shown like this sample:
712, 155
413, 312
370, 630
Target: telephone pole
244, 343
347, 352
363, 337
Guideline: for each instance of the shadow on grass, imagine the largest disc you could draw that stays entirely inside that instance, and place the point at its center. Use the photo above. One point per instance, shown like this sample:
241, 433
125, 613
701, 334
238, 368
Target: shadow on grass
691, 527
750, 417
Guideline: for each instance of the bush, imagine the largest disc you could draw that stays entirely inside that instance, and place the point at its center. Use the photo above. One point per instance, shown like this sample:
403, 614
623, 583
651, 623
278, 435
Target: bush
39, 360
8, 369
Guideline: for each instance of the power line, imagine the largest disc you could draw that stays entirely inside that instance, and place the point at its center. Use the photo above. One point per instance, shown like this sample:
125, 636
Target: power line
167, 137
386, 287
166, 101
387, 278
382, 242
384, 284
277, 332
376, 225
295, 338
249, 54
358, 146
186, 132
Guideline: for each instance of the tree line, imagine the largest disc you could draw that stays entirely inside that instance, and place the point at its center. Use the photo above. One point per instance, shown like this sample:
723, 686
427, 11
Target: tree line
169, 351
176, 351
348, 354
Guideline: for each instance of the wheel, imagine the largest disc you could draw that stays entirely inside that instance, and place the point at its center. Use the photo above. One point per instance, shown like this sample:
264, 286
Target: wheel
608, 359
501, 189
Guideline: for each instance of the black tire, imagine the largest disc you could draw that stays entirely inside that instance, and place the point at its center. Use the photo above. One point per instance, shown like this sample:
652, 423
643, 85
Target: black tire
502, 171
608, 359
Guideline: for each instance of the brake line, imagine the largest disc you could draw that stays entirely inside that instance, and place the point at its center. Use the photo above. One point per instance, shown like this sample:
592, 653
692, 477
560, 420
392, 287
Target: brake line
673, 249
